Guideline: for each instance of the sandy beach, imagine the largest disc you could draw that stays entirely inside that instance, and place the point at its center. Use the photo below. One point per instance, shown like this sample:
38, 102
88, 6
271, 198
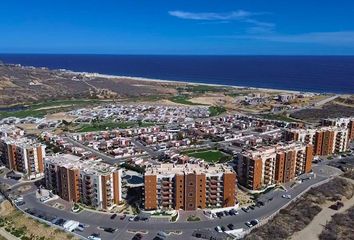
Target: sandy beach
90, 75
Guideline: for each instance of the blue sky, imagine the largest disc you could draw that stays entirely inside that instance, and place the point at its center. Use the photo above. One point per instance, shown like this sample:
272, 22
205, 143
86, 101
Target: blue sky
178, 27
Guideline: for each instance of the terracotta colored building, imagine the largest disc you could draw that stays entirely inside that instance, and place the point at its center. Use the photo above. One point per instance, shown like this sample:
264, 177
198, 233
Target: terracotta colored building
90, 182
23, 155
347, 123
189, 186
260, 167
326, 140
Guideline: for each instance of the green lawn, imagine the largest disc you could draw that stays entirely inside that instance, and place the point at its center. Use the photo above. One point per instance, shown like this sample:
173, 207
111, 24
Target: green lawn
35, 110
182, 100
211, 156
203, 88
108, 125
216, 110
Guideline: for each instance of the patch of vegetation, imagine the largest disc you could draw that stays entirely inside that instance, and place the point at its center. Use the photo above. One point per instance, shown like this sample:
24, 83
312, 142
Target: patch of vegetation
183, 100
174, 217
340, 226
216, 110
201, 88
300, 213
193, 218
133, 167
329, 110
211, 156
37, 109
278, 117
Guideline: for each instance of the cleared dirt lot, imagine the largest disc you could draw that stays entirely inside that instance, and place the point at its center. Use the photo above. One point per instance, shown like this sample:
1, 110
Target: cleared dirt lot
16, 222
300, 213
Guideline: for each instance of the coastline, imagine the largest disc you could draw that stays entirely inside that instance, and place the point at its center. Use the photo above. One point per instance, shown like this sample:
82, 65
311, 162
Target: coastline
108, 76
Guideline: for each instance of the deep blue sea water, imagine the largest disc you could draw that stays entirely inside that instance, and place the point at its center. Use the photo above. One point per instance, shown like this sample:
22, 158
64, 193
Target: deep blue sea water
333, 74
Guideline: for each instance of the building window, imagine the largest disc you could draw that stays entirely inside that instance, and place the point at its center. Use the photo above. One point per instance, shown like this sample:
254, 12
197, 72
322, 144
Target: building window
190, 183
190, 194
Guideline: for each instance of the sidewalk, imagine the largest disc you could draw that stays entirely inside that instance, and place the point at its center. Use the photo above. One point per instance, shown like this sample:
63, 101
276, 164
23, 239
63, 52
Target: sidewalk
7, 235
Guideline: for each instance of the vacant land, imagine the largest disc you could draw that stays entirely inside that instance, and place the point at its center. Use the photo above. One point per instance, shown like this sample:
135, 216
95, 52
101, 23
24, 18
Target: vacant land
19, 86
340, 227
54, 106
300, 213
212, 156
279, 117
23, 227
329, 110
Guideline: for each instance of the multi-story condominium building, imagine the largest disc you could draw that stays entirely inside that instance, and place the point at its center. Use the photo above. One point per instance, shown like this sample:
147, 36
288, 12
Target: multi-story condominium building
23, 155
343, 123
261, 167
326, 140
90, 182
189, 186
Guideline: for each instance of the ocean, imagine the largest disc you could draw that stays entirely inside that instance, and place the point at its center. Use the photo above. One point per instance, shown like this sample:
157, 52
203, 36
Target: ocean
332, 74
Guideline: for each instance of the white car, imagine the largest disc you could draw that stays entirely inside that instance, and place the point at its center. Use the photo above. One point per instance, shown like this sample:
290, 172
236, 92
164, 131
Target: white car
44, 199
131, 219
287, 196
218, 229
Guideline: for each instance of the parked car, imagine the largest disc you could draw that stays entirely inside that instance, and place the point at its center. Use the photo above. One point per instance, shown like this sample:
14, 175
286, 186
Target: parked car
138, 236
287, 196
131, 219
230, 226
245, 209
254, 222
110, 230
218, 229
114, 216
223, 228
123, 217
248, 224
252, 207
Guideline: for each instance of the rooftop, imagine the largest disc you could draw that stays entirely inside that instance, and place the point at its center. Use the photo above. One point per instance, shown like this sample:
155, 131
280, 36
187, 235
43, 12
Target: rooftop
198, 168
73, 162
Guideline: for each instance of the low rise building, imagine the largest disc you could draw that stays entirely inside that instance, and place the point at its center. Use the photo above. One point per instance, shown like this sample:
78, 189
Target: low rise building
189, 186
23, 155
260, 167
90, 182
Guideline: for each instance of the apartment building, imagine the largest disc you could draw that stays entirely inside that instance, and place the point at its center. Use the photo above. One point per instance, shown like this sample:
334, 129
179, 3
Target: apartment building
326, 140
189, 186
343, 123
90, 182
261, 167
23, 155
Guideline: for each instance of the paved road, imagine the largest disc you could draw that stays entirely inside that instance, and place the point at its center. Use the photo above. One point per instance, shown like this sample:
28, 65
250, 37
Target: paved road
95, 219
106, 158
7, 235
